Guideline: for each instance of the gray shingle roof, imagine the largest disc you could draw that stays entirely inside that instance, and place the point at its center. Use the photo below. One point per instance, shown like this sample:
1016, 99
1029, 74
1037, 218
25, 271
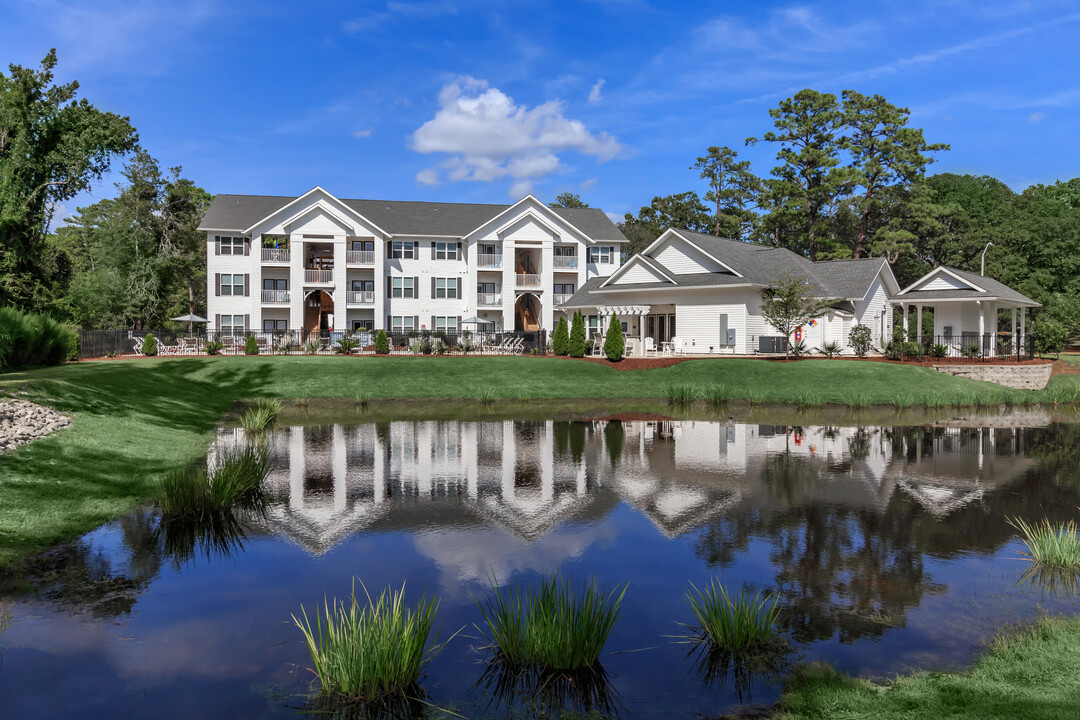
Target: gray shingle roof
238, 212
991, 289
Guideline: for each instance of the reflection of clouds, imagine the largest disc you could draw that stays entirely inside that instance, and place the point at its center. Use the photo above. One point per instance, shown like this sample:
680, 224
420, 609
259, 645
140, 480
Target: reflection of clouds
465, 557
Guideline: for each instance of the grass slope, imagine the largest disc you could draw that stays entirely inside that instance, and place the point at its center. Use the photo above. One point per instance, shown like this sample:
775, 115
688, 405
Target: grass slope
1035, 675
134, 420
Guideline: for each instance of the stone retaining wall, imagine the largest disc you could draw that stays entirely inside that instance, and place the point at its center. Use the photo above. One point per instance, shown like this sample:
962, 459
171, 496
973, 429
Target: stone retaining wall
1021, 377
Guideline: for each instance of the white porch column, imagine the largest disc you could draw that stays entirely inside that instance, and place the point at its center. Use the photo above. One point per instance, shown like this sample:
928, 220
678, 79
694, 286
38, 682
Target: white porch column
641, 335
296, 283
907, 327
380, 289
509, 285
341, 315
1015, 336
918, 324
982, 324
1023, 332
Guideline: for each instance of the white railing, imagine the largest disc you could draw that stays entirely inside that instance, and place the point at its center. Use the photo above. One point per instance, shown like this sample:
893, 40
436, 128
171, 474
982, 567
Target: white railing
360, 297
270, 255
488, 260
318, 276
488, 299
530, 280
275, 296
360, 257
564, 261
560, 298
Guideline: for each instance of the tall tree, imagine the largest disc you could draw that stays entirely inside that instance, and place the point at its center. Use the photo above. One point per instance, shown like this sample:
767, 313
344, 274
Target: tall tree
568, 200
733, 189
810, 176
51, 148
884, 151
682, 210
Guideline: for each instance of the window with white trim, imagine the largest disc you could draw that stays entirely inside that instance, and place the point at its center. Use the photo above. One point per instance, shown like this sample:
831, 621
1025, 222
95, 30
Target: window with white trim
362, 285
401, 324
564, 288
446, 324
230, 245
446, 288
601, 254
275, 325
403, 249
232, 322
232, 284
565, 250
362, 325
446, 251
403, 287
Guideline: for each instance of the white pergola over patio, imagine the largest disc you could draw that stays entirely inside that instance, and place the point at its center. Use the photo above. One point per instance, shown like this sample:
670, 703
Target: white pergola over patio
640, 311
965, 307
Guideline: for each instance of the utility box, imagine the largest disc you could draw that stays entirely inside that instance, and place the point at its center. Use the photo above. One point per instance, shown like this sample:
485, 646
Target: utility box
771, 343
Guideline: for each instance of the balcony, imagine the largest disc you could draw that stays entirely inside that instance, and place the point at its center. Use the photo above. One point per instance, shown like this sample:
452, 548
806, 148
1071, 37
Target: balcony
360, 297
270, 255
275, 297
360, 257
560, 298
564, 262
320, 277
488, 261
528, 280
488, 300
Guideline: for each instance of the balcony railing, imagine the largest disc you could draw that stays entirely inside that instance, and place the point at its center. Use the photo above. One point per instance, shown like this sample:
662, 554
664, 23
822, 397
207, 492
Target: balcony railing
529, 280
563, 262
489, 299
270, 255
488, 260
560, 298
360, 257
318, 276
275, 296
360, 297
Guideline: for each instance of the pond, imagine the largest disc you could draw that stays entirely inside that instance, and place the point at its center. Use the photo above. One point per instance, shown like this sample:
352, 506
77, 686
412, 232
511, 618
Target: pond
889, 547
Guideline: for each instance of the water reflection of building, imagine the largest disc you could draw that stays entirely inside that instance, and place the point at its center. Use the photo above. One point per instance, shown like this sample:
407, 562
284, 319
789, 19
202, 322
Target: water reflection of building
527, 477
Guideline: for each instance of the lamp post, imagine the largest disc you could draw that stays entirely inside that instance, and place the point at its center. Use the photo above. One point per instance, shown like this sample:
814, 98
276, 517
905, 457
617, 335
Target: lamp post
982, 266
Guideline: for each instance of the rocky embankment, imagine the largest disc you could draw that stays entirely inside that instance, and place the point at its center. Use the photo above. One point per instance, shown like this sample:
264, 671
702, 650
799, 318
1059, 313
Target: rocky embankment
22, 421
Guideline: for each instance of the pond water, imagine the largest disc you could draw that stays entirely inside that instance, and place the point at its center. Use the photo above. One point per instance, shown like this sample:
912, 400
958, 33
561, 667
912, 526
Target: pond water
889, 547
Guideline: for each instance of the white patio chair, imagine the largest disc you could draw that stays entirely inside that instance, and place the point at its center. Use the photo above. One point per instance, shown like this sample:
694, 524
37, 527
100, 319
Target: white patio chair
650, 347
678, 347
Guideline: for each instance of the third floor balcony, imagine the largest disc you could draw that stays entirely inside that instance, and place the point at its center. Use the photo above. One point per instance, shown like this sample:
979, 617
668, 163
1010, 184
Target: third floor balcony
488, 300
360, 297
564, 262
275, 256
528, 280
489, 261
319, 276
359, 257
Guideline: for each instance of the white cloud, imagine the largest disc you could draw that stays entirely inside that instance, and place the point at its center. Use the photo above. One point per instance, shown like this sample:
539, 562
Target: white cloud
614, 217
430, 176
1036, 117
588, 184
375, 20
364, 133
595, 93
490, 137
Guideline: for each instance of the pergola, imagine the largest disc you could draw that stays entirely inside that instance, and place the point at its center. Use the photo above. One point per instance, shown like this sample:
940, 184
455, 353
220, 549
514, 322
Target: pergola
606, 311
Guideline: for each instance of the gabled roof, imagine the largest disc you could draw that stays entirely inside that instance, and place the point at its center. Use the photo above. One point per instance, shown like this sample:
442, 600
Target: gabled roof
981, 287
234, 213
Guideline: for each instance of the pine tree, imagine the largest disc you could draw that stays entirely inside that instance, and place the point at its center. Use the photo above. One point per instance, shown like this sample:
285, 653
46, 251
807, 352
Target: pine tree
382, 344
577, 336
614, 345
560, 341
251, 346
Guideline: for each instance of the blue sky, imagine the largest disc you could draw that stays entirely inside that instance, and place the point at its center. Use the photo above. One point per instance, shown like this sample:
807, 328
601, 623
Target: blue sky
612, 99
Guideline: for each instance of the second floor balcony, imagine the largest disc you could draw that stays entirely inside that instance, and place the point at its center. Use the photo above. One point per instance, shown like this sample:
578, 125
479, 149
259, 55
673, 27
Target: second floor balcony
275, 297
561, 298
360, 257
275, 256
319, 276
360, 297
488, 300
488, 261
528, 280
564, 262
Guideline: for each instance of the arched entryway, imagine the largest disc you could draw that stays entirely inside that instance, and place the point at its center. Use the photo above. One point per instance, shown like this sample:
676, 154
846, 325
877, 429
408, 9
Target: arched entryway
527, 313
318, 313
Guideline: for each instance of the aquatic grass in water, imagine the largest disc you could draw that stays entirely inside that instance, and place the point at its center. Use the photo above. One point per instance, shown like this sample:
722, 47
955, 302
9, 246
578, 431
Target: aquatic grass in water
552, 626
486, 397
716, 396
261, 414
807, 400
197, 493
367, 650
902, 400
1050, 545
729, 623
855, 399
682, 395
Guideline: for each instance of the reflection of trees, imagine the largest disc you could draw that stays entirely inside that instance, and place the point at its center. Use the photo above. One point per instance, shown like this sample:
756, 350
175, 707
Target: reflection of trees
613, 438
855, 570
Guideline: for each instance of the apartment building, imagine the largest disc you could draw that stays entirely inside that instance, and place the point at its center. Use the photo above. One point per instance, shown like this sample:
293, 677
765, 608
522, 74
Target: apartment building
318, 263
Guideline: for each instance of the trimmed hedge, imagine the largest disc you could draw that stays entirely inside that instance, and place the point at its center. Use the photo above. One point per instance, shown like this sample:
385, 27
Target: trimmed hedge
28, 339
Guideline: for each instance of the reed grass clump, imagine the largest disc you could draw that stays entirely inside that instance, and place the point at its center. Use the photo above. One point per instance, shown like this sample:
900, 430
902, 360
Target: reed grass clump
716, 396
552, 626
363, 399
366, 650
196, 493
733, 624
682, 395
807, 400
855, 399
261, 415
902, 400
1050, 545
486, 396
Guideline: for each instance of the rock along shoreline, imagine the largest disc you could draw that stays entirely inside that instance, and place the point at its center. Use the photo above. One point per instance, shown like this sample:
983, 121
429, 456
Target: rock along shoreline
22, 421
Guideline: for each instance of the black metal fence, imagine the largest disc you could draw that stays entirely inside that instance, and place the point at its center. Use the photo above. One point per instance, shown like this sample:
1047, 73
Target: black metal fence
972, 347
114, 343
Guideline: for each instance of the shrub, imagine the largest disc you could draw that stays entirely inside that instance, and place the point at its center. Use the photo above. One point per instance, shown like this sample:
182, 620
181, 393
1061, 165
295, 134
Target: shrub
830, 349
560, 340
576, 346
149, 345
716, 396
197, 493
859, 339
346, 346
212, 347
614, 344
938, 350
382, 344
367, 651
251, 346
285, 345
682, 395
971, 350
912, 349
1050, 337
34, 339
441, 347
551, 626
798, 349
731, 623
1051, 545
311, 347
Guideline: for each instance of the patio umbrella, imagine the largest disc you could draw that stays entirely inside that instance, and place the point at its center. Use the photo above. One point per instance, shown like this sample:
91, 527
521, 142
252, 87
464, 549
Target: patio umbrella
189, 319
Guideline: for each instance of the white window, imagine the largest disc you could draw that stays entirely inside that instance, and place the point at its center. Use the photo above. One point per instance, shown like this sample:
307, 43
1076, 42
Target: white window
404, 287
232, 284
446, 324
232, 322
230, 245
446, 288
401, 324
401, 249
446, 251
600, 255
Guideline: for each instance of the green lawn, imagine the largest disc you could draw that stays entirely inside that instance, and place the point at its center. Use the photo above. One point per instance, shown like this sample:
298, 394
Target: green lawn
135, 419
1034, 675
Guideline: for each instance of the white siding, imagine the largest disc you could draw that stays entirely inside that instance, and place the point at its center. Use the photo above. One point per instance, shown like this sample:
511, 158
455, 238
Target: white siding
944, 281
639, 273
870, 309
682, 259
697, 319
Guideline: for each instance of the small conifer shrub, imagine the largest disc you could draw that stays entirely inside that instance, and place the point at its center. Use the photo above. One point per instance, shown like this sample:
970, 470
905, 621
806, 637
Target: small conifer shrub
149, 345
576, 346
614, 343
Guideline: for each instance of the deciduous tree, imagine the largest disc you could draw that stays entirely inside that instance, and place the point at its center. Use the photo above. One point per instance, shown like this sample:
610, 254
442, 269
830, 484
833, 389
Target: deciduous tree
791, 303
